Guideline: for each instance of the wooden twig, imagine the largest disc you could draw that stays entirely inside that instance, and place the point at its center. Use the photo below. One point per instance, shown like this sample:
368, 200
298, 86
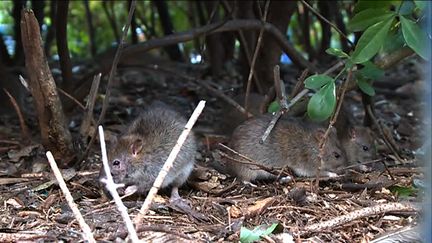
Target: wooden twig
331, 123
327, 21
243, 44
111, 76
88, 235
279, 113
71, 98
88, 119
169, 163
361, 213
382, 134
112, 188
25, 133
255, 55
232, 25
248, 161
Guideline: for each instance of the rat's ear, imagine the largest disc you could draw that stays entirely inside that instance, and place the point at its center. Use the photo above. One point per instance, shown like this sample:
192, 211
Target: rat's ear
136, 146
319, 133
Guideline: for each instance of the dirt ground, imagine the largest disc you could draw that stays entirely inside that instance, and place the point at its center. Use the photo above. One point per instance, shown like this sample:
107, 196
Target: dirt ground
33, 208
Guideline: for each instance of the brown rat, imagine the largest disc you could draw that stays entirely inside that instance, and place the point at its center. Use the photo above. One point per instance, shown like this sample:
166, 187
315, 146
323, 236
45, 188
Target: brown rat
139, 154
293, 143
356, 140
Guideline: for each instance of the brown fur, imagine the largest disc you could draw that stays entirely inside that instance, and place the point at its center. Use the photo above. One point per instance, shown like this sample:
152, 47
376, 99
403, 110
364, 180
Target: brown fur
293, 143
139, 154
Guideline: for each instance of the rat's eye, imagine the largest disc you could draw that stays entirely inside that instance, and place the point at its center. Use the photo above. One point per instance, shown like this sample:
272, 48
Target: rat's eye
116, 162
365, 148
336, 155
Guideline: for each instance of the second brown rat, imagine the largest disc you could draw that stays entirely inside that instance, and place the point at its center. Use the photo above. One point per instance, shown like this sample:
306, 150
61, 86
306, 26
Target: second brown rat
293, 143
140, 152
356, 141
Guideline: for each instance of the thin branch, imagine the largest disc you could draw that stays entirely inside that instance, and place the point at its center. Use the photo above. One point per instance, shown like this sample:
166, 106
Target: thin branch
327, 21
112, 188
111, 76
88, 119
71, 98
232, 25
169, 163
25, 133
331, 123
88, 235
255, 55
361, 213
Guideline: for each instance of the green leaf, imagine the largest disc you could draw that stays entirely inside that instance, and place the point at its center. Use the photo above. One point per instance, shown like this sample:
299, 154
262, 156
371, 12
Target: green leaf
365, 86
394, 41
403, 192
337, 52
247, 235
371, 41
322, 104
414, 36
368, 17
273, 107
316, 81
371, 71
421, 4
368, 4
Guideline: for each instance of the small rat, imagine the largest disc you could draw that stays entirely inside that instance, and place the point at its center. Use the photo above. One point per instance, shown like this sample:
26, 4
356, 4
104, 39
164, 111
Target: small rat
138, 155
293, 143
357, 141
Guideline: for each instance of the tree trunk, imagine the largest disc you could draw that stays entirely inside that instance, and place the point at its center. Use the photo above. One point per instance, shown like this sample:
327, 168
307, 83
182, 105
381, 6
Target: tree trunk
52, 122
279, 15
325, 28
91, 28
304, 21
215, 49
5, 59
134, 36
173, 51
62, 45
51, 29
16, 12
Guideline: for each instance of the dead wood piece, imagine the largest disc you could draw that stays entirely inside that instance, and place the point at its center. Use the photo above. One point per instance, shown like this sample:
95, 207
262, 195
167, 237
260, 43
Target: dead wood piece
25, 133
16, 237
361, 213
52, 122
88, 119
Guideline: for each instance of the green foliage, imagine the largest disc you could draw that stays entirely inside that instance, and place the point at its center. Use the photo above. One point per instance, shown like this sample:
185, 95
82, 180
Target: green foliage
404, 192
371, 71
368, 4
322, 103
315, 82
414, 36
365, 86
273, 107
372, 40
337, 53
247, 235
369, 17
